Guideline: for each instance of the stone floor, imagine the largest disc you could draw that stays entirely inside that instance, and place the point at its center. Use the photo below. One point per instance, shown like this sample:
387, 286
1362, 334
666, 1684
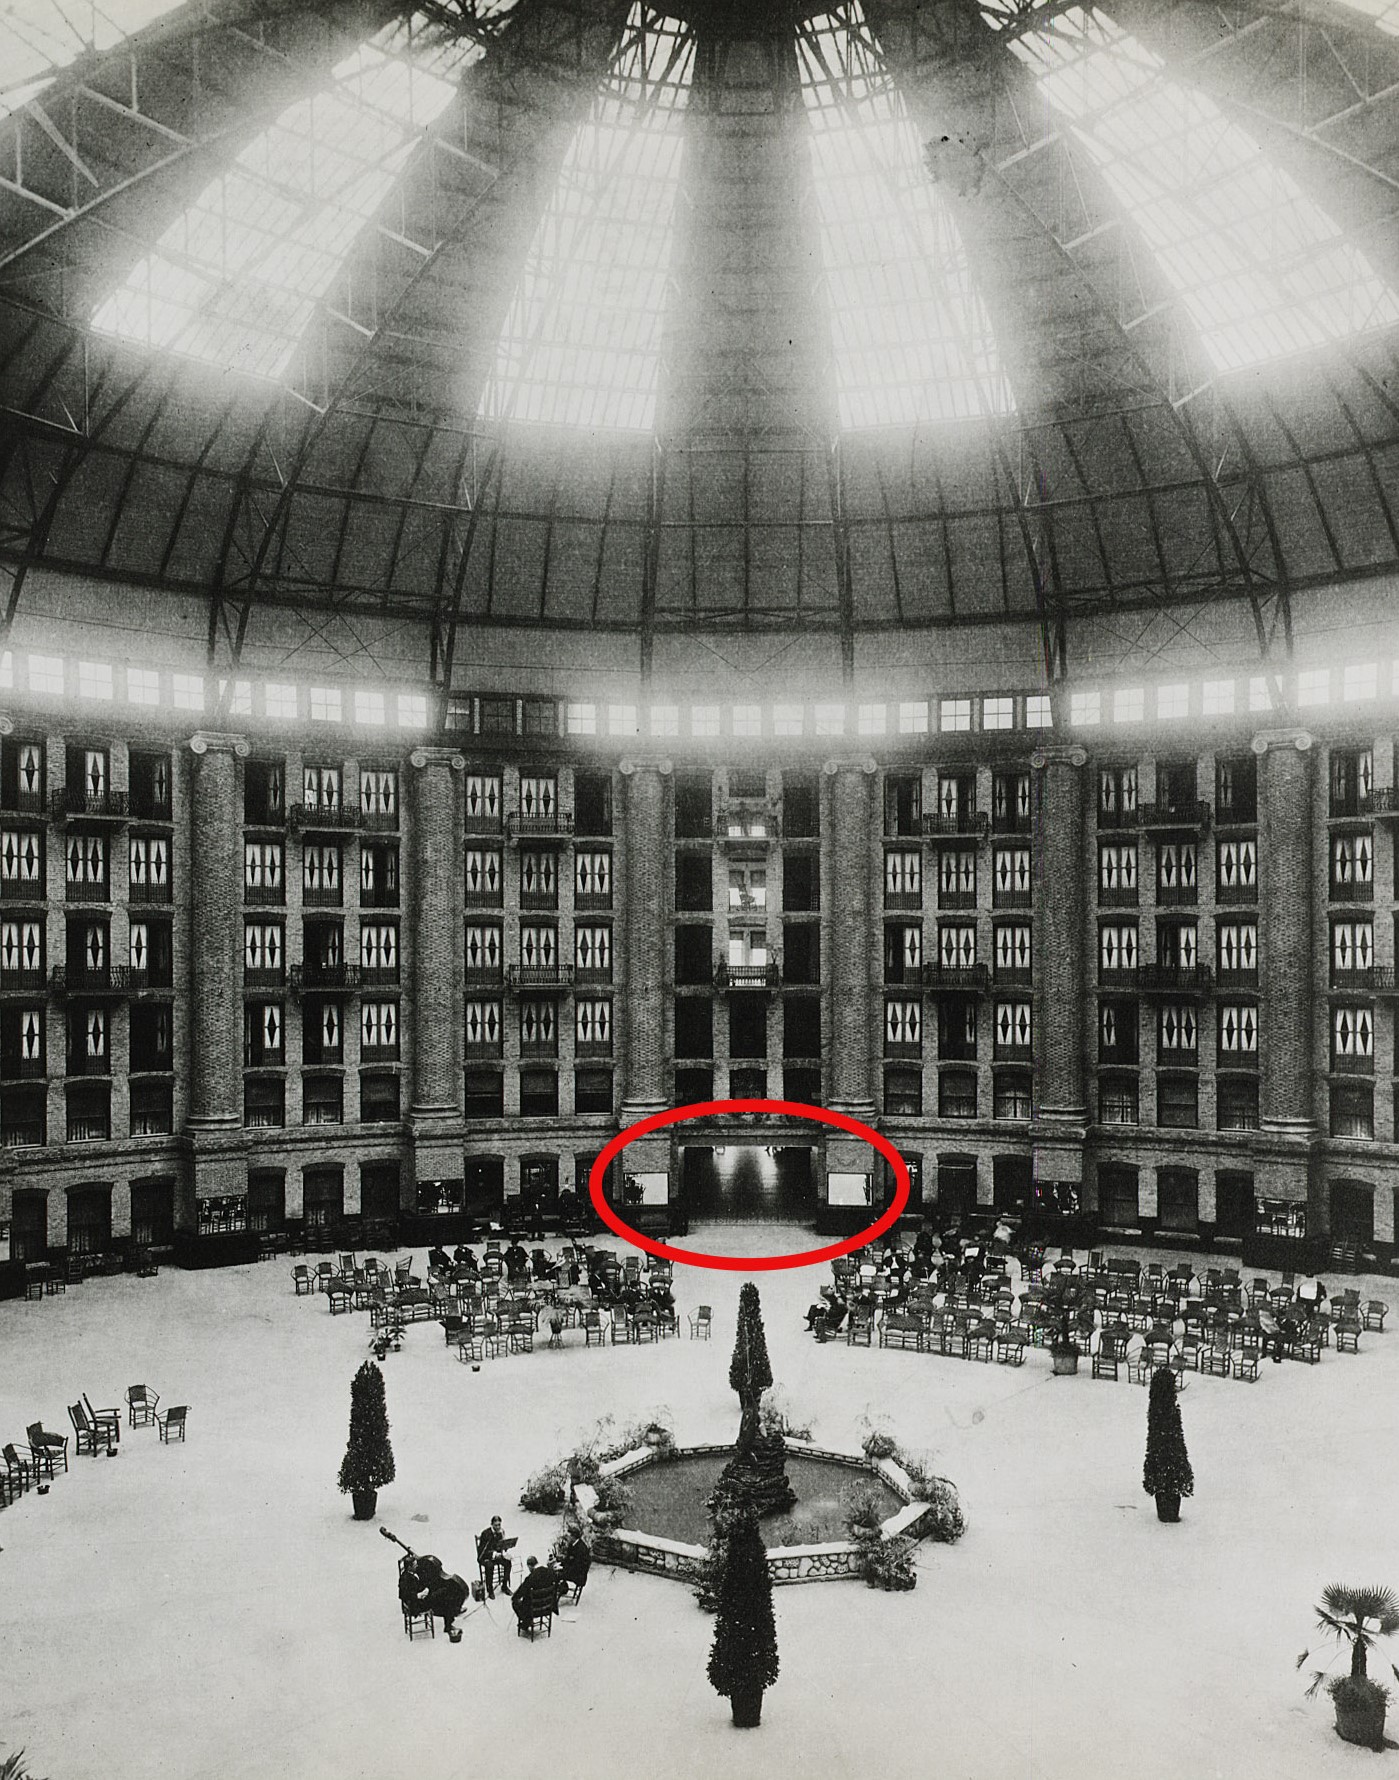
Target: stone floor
211, 1612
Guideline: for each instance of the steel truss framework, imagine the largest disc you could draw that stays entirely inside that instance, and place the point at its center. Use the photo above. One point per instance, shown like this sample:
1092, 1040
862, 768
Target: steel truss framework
1131, 486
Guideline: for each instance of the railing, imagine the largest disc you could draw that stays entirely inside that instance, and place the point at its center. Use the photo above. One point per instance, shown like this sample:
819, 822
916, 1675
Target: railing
138, 981
89, 1130
264, 895
332, 898
557, 825
378, 1053
593, 899
902, 1052
87, 892
740, 826
966, 977
966, 899
150, 809
264, 976
22, 1136
24, 1069
99, 805
24, 803
264, 815
27, 982
1014, 976
1353, 892
1190, 812
112, 979
1123, 897
1118, 976
340, 819
538, 976
903, 899
1232, 893
960, 824
150, 893
1352, 1065
1369, 979
1382, 802
592, 1047
1175, 896
1117, 818
23, 889
1174, 979
1236, 977
379, 976
1011, 1053
747, 976
379, 821
384, 896
79, 1063
313, 976
1005, 899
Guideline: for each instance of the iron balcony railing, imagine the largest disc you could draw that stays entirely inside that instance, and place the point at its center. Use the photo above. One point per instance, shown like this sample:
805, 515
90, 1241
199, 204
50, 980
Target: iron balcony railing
747, 976
970, 978
74, 800
554, 825
1188, 812
1175, 979
338, 819
538, 976
107, 979
959, 825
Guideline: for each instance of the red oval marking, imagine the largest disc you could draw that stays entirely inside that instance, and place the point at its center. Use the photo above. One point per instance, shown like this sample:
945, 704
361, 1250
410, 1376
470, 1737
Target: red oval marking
702, 1109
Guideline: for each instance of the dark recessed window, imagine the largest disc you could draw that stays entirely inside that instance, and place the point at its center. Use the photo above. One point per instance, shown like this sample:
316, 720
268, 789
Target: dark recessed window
693, 1086
1177, 1101
264, 1102
801, 883
694, 882
592, 1090
378, 1097
694, 1026
322, 1100
801, 1026
539, 1093
485, 1094
592, 803
956, 1094
903, 1092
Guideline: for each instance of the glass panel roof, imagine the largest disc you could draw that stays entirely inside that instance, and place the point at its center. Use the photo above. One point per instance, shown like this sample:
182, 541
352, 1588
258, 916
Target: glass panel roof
1262, 270
1385, 13
234, 280
581, 345
38, 36
912, 339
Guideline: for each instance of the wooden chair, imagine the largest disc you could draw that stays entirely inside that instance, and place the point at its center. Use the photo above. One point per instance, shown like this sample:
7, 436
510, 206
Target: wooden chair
417, 1620
1376, 1310
172, 1422
1107, 1359
860, 1332
700, 1323
1347, 1330
301, 1280
452, 1328
107, 1420
339, 1297
1246, 1364
87, 1432
594, 1329
141, 1405
621, 1324
1214, 1360
19, 1473
46, 1449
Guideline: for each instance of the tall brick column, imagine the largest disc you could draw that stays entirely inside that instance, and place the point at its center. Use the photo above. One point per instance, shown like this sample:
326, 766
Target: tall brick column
435, 1111
1061, 923
1285, 930
851, 791
216, 965
643, 1011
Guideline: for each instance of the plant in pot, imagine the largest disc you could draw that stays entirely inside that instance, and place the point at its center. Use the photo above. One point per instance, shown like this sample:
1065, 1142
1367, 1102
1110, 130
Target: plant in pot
1356, 1616
368, 1462
1064, 1350
743, 1657
1166, 1473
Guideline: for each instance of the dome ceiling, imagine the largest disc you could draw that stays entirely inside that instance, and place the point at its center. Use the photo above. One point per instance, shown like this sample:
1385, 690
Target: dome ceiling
867, 315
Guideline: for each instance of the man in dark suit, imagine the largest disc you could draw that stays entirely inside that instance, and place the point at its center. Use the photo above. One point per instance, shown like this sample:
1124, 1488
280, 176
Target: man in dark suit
493, 1555
538, 1592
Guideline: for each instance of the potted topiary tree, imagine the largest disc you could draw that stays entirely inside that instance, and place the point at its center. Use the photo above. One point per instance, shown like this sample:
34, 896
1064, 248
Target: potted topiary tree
1064, 1350
368, 1462
1166, 1473
1357, 1616
743, 1658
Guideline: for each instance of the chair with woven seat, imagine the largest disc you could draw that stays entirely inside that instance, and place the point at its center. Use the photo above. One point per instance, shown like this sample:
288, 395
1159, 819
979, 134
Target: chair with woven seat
46, 1449
89, 1436
1376, 1310
594, 1329
108, 1420
141, 1405
701, 1322
621, 1324
1347, 1331
18, 1473
171, 1422
302, 1281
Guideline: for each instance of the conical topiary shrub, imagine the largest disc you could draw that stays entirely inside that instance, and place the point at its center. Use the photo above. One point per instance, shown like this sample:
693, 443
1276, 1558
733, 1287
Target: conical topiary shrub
743, 1658
757, 1472
368, 1462
1166, 1473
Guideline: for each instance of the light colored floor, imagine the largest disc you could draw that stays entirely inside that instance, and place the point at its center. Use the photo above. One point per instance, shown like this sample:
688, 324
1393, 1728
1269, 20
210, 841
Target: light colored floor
212, 1612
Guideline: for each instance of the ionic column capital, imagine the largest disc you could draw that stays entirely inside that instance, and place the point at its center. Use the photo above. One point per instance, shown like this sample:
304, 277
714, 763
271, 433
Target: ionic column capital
1300, 739
211, 741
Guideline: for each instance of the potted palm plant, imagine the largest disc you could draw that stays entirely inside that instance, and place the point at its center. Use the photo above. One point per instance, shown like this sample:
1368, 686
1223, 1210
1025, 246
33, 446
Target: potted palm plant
1064, 1350
1356, 1616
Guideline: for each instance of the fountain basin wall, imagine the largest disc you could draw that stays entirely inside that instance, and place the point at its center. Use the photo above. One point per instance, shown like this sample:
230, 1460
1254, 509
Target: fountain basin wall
631, 1549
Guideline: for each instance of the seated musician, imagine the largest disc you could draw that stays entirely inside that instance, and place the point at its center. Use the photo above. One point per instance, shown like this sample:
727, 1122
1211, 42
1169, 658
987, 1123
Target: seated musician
538, 1591
438, 1260
425, 1587
516, 1261
493, 1555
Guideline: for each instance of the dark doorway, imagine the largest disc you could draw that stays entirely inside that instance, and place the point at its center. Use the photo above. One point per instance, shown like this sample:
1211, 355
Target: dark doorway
89, 1220
379, 1190
323, 1196
1352, 1211
485, 1185
153, 1212
539, 1187
29, 1227
748, 1182
956, 1188
1013, 1183
1233, 1203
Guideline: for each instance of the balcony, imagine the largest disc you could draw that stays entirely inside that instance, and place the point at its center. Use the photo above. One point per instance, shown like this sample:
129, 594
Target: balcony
742, 826
141, 982
1370, 979
311, 818
966, 899
23, 982
318, 978
323, 896
903, 899
150, 809
78, 1063
538, 976
264, 977
1118, 976
1120, 896
1014, 976
146, 895
966, 979
87, 892
74, 803
24, 1069
110, 979
1382, 803
1229, 894
554, 825
379, 821
1117, 818
1175, 979
960, 825
1189, 812
747, 976
1351, 891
